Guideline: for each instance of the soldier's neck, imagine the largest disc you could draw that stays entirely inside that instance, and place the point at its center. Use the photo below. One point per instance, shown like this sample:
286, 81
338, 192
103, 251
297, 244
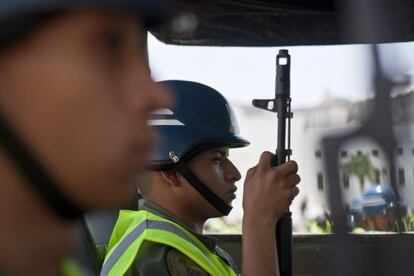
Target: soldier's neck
191, 221
184, 215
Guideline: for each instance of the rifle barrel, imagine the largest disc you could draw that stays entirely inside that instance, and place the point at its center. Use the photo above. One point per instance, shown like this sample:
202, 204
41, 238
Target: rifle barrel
282, 97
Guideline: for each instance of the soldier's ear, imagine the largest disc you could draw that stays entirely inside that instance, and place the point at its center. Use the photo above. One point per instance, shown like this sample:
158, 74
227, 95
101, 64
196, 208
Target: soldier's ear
171, 177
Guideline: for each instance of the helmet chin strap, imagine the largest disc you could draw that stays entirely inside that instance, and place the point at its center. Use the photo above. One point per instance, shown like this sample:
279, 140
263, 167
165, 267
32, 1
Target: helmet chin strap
197, 184
36, 175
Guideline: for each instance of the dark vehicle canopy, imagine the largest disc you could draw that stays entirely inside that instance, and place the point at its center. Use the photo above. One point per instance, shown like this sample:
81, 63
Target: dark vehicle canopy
286, 23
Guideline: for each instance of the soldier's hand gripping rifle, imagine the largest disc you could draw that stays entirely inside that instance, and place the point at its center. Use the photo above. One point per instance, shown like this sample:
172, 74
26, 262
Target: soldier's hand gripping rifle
281, 105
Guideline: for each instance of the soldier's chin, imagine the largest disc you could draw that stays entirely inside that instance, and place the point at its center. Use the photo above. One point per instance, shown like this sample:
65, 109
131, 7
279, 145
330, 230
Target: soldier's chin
230, 201
216, 213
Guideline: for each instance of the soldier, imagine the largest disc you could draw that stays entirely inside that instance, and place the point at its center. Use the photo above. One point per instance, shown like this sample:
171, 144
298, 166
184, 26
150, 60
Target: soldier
193, 180
381, 210
356, 217
75, 93
374, 205
392, 210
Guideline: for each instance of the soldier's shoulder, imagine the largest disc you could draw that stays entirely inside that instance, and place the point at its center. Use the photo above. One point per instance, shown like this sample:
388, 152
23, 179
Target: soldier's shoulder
180, 264
150, 260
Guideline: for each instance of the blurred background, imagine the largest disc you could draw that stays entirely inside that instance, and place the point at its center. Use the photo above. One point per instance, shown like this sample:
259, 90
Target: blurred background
331, 93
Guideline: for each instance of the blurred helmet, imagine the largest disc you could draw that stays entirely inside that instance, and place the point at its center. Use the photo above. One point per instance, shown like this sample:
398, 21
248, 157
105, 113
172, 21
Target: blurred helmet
373, 201
356, 205
17, 17
386, 192
355, 210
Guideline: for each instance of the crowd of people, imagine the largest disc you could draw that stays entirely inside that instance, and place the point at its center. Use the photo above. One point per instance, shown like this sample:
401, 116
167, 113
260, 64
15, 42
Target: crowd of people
375, 211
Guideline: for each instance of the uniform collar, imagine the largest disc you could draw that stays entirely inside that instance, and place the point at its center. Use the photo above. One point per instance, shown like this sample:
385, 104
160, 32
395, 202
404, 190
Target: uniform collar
152, 207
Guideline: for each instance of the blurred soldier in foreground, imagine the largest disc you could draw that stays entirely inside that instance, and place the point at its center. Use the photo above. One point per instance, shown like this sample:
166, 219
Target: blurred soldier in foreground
194, 180
75, 93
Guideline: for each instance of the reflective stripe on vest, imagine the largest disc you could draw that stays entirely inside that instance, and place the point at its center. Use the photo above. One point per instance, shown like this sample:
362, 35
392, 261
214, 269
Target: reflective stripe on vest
145, 226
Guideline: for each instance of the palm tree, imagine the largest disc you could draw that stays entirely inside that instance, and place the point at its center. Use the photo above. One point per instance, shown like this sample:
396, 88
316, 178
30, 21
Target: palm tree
361, 166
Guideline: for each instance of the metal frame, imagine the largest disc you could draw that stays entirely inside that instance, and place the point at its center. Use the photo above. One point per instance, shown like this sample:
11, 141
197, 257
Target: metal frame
373, 18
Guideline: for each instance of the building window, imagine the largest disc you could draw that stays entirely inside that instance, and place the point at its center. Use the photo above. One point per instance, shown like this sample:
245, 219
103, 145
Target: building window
375, 153
345, 154
345, 181
401, 177
412, 151
318, 153
359, 152
400, 151
377, 174
413, 172
320, 181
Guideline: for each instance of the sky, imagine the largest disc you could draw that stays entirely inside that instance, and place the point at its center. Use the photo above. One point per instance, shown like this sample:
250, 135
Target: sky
242, 73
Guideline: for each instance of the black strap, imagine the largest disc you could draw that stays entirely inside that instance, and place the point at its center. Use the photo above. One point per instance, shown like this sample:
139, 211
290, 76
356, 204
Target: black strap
3, 272
35, 174
197, 184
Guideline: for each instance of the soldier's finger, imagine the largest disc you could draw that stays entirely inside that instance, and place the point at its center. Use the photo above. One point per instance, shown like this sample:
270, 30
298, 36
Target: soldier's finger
265, 160
251, 171
290, 167
292, 180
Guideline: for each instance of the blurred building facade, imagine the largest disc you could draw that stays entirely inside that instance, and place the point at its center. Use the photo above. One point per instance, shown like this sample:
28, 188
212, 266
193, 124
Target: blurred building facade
309, 126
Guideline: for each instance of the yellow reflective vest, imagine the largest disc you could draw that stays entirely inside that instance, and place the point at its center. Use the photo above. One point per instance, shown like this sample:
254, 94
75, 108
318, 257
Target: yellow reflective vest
135, 227
70, 268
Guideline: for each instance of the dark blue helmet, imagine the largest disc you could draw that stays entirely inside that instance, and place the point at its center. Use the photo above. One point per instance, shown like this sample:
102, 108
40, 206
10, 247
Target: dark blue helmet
148, 9
373, 200
201, 119
387, 194
17, 17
